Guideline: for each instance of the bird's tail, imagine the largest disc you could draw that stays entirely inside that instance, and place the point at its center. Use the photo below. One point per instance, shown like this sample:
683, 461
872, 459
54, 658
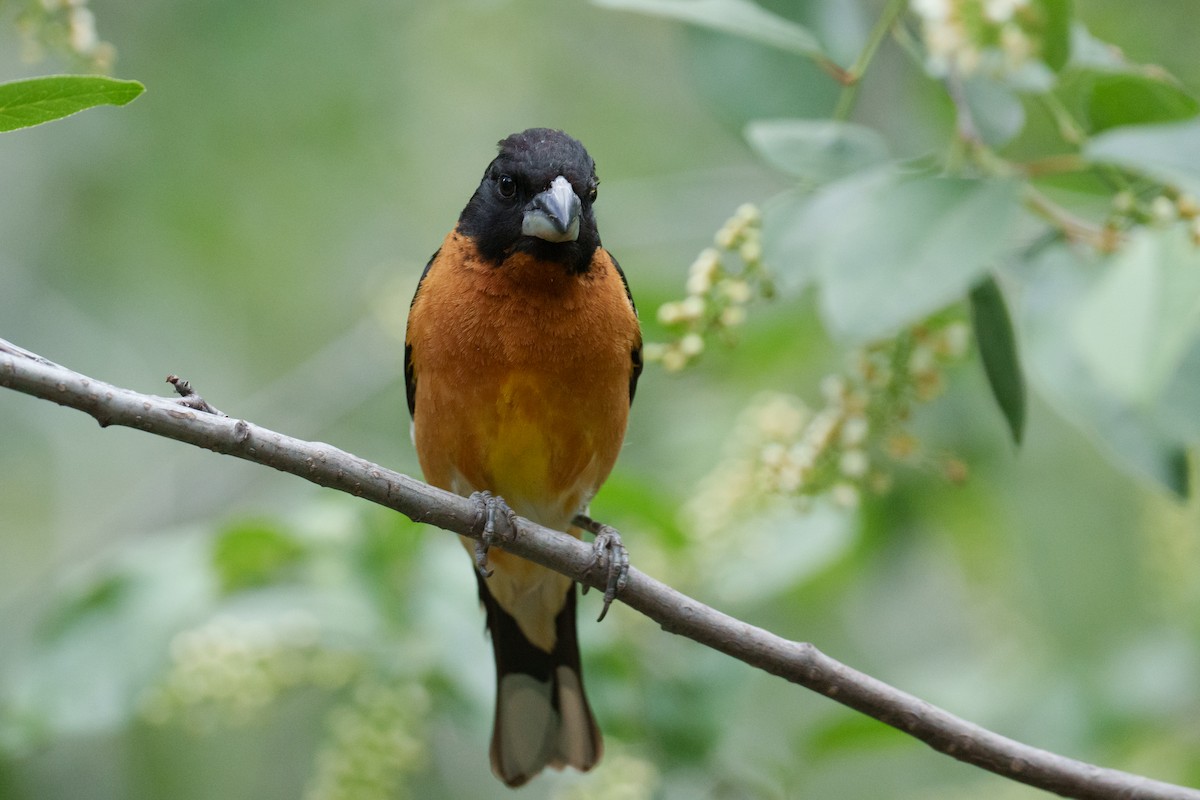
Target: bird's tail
542, 715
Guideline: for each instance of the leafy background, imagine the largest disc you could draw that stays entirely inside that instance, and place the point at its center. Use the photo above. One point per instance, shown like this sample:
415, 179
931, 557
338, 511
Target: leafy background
176, 624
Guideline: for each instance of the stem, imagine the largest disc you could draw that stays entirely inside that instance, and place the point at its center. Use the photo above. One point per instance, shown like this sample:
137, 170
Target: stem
854, 75
845, 103
904, 38
1068, 128
886, 20
1071, 226
1061, 164
836, 72
964, 120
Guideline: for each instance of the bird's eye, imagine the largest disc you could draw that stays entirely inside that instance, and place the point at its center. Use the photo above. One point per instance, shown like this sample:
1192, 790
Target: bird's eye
592, 192
508, 186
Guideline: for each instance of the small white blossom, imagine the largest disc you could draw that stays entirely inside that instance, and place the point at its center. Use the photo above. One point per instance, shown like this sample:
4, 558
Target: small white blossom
1016, 46
855, 430
733, 316
781, 417
691, 308
956, 337
803, 455
703, 271
931, 10
789, 478
674, 360
750, 251
820, 430
82, 30
698, 283
669, 314
654, 351
853, 463
921, 361
738, 291
748, 213
773, 454
1162, 209
845, 495
833, 388
691, 345
1000, 11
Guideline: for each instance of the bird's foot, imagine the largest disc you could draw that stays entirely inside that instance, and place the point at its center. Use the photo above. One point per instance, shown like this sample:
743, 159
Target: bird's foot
488, 508
608, 551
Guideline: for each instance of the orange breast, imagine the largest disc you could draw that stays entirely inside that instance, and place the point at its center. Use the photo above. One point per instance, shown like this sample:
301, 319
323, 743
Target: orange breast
522, 378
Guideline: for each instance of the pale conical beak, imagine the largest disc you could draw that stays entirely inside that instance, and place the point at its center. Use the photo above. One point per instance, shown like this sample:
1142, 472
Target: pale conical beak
554, 214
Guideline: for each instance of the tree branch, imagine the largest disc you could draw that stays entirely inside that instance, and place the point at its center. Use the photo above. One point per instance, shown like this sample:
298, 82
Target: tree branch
797, 662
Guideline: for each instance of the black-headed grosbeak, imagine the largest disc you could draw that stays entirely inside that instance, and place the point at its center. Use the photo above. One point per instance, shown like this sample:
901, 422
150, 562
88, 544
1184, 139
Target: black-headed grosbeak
522, 355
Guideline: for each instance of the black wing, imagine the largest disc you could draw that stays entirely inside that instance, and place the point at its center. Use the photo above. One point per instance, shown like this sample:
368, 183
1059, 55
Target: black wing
636, 354
410, 379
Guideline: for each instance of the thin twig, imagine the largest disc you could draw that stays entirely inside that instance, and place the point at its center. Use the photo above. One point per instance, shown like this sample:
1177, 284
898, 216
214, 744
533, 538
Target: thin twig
1058, 164
191, 398
1104, 239
798, 662
854, 75
964, 119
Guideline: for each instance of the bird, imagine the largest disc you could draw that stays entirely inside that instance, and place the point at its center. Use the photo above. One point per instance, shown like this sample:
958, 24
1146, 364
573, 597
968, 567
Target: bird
521, 359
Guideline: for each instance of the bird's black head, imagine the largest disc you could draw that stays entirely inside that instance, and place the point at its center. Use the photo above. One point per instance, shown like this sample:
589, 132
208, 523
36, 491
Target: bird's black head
536, 197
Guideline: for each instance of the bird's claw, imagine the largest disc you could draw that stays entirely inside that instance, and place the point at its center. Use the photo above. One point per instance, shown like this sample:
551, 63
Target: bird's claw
609, 550
488, 506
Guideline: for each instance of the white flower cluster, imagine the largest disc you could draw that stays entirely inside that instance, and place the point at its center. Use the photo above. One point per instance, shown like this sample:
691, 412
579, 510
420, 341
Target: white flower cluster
375, 740
65, 25
716, 295
1163, 210
619, 777
782, 447
227, 670
958, 34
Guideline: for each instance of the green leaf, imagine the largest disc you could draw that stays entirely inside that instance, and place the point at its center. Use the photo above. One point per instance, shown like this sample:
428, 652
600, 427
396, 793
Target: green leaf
852, 734
1088, 51
253, 554
802, 546
1181, 397
787, 240
103, 596
737, 17
1136, 439
798, 226
995, 108
817, 150
1135, 325
1112, 99
1056, 32
890, 252
36, 100
722, 66
998, 349
1169, 152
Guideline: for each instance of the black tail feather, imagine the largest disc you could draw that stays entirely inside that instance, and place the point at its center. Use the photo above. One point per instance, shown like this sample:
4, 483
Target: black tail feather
564, 734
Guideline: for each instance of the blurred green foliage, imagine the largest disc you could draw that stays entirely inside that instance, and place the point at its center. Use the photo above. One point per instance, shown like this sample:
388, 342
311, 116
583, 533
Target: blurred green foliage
181, 625
249, 554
